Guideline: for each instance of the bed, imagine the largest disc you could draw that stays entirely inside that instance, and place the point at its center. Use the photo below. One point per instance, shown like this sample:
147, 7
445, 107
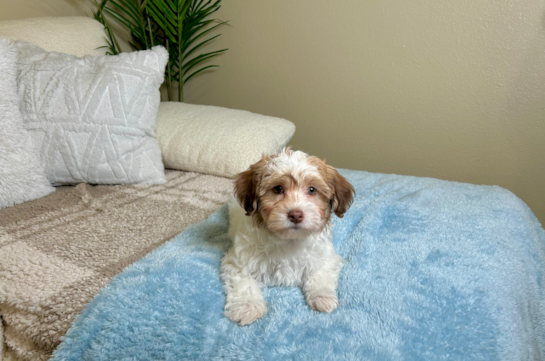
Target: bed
433, 270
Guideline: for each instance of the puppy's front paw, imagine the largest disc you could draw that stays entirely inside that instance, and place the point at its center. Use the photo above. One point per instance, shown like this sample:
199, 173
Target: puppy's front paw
323, 303
245, 312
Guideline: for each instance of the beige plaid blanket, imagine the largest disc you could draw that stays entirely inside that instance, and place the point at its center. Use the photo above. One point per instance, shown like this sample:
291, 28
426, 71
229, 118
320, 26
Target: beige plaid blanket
57, 252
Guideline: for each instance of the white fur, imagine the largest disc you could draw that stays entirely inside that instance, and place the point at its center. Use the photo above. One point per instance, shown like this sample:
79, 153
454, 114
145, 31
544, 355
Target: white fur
260, 257
294, 162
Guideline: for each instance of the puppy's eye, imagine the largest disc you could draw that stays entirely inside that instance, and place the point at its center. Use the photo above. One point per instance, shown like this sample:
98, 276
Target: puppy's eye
312, 190
278, 189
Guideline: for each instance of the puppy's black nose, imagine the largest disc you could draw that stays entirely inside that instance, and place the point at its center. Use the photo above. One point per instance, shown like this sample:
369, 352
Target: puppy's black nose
296, 216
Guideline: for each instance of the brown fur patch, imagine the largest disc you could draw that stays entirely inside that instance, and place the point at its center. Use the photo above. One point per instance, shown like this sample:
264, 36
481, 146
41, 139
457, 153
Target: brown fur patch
246, 184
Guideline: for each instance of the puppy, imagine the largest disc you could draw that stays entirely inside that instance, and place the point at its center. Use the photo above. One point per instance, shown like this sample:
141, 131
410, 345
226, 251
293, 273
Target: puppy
281, 233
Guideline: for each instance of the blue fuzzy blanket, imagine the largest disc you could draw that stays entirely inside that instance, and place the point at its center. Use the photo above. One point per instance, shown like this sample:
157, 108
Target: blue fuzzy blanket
434, 270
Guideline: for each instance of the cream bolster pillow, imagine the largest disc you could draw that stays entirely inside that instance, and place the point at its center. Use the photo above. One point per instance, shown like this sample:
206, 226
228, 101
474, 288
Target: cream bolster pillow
76, 35
215, 140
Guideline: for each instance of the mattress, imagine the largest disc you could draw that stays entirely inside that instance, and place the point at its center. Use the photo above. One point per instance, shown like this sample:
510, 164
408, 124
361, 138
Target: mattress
434, 270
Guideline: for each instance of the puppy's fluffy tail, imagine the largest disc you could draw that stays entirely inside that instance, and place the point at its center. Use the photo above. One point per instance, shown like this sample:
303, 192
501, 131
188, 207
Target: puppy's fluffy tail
236, 214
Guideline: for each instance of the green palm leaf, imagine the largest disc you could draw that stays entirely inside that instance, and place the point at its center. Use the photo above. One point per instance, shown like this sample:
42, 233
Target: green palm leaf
197, 60
183, 27
201, 69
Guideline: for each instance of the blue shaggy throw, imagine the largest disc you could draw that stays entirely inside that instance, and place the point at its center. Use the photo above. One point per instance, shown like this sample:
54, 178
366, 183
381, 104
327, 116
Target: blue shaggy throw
434, 270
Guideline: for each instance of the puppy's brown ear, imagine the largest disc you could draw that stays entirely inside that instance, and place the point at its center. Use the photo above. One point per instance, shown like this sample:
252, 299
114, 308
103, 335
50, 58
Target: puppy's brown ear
246, 186
245, 190
343, 192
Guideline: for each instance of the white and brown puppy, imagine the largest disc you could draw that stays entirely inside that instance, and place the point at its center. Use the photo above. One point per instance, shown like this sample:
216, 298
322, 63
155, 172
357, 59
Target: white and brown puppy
281, 232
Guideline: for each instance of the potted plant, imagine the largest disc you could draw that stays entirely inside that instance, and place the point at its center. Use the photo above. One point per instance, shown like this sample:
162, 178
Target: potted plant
181, 26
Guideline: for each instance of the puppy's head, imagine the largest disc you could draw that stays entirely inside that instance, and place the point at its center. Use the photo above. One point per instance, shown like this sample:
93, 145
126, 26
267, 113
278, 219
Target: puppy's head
293, 194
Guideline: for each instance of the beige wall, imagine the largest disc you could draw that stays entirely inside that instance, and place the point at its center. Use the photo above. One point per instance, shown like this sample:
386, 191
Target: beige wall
446, 89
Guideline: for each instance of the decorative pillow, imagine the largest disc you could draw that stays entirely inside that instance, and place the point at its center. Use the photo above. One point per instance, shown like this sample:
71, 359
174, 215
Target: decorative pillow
92, 119
21, 176
216, 140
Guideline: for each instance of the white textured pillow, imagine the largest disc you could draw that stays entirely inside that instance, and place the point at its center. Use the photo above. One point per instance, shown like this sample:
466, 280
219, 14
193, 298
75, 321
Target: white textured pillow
21, 176
216, 140
92, 119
